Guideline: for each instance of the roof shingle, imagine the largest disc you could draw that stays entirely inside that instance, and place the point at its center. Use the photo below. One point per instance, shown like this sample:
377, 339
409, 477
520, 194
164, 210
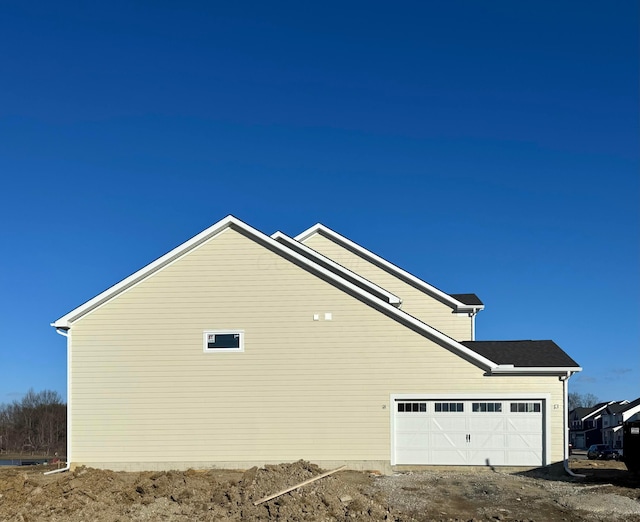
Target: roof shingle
523, 354
468, 299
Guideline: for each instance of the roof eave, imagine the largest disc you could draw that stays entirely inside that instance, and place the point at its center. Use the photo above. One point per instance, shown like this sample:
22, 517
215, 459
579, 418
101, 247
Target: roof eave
508, 369
471, 309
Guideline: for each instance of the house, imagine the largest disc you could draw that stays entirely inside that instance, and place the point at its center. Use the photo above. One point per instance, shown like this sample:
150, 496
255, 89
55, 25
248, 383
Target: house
613, 418
585, 425
238, 349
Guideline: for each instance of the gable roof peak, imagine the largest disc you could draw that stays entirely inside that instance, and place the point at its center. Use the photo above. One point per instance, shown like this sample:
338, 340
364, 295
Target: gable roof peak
66, 321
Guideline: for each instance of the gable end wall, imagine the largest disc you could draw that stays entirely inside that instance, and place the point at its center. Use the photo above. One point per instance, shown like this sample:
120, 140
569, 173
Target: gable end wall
429, 310
145, 396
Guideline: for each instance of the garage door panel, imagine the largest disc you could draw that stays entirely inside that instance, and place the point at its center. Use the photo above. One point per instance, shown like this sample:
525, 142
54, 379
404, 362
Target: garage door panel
524, 458
492, 440
484, 422
487, 457
449, 423
523, 441
524, 423
470, 433
443, 441
452, 457
411, 422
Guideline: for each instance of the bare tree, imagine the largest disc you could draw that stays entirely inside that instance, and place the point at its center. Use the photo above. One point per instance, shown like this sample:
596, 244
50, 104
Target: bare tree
34, 425
578, 400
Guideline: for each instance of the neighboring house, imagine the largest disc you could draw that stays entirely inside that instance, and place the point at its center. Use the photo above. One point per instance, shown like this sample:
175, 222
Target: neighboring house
614, 415
585, 425
238, 349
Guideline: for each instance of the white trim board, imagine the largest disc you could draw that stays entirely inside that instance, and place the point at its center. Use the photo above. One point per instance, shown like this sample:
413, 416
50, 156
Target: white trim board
319, 228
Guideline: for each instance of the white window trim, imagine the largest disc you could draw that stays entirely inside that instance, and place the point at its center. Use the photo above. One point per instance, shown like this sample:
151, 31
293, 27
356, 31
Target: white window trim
206, 349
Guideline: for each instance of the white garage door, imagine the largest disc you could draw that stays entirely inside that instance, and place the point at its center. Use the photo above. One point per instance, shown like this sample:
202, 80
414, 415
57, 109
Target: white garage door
469, 432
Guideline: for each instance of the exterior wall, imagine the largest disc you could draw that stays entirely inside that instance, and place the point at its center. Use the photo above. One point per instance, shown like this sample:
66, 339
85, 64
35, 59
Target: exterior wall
414, 301
144, 395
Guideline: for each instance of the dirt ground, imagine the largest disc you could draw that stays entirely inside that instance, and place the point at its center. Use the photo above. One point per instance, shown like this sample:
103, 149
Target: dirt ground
608, 493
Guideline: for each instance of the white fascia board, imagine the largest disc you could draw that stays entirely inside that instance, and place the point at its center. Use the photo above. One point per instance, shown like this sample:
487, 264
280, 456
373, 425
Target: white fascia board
286, 240
423, 285
594, 412
630, 412
556, 370
65, 321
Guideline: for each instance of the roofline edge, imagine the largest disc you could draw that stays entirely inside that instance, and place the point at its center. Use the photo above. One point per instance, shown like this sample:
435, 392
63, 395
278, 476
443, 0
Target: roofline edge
459, 306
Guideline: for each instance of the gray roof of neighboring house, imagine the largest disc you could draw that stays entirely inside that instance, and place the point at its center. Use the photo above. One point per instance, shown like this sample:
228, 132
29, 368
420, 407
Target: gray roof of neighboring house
523, 353
619, 407
598, 408
581, 411
468, 299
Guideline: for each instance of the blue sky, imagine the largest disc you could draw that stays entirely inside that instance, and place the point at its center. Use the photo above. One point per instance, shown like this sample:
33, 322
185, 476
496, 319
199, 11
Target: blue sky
487, 147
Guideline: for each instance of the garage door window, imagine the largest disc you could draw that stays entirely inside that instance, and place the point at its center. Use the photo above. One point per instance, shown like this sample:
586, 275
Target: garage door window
412, 407
525, 407
449, 407
491, 407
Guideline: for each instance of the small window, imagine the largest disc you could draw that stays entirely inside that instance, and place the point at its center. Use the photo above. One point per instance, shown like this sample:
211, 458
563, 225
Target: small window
224, 341
490, 407
448, 407
410, 407
525, 407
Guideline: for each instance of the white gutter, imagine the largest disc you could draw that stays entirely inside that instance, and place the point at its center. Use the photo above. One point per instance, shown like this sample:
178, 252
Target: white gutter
66, 334
511, 369
565, 427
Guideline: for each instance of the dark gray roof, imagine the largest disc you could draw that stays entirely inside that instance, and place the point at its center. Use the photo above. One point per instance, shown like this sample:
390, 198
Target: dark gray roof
594, 409
523, 354
581, 411
617, 407
468, 299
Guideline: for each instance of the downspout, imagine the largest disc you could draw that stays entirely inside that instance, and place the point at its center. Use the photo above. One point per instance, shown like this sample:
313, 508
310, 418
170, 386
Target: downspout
565, 426
473, 323
65, 333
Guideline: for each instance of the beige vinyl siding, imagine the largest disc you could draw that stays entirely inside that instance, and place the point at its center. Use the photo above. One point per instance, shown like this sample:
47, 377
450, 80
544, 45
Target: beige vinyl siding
414, 301
143, 391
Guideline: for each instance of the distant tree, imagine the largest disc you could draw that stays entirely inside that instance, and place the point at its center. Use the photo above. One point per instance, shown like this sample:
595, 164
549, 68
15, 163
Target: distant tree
579, 400
36, 424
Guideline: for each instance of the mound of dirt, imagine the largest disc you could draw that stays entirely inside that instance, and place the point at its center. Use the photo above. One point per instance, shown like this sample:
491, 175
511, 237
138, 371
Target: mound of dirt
99, 495
607, 493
